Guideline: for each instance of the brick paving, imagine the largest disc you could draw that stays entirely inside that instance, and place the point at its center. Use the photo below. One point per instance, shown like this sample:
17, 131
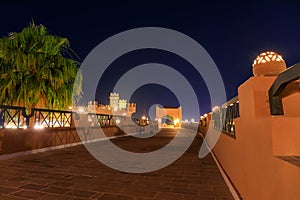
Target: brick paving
72, 173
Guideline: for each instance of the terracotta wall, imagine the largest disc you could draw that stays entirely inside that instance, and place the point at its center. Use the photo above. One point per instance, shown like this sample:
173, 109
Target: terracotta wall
252, 159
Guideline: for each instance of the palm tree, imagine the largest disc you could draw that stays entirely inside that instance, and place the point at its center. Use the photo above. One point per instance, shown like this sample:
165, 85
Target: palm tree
37, 70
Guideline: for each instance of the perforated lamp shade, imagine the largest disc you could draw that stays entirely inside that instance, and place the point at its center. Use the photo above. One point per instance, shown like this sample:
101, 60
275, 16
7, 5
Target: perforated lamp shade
268, 64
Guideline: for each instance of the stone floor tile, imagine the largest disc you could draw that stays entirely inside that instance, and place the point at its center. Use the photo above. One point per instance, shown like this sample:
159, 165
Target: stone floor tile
115, 197
29, 194
33, 187
56, 190
82, 193
7, 190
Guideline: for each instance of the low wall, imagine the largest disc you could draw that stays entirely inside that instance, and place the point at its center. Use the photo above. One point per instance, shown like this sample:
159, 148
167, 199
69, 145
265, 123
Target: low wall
286, 142
18, 140
252, 159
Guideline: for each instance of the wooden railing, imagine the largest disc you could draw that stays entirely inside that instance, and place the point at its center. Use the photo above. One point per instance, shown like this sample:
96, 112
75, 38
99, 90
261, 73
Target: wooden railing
17, 117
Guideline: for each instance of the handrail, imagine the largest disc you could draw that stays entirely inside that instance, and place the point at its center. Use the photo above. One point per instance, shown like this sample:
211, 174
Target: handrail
283, 79
231, 101
16, 117
225, 115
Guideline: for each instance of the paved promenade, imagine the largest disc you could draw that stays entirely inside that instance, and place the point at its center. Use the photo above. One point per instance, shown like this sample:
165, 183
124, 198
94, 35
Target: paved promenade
72, 173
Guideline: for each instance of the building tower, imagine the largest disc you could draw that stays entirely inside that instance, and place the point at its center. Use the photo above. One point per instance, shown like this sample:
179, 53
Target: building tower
114, 101
122, 104
92, 106
131, 108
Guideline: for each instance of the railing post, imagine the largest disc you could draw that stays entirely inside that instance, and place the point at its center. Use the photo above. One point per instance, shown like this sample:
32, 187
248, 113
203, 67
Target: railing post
72, 120
29, 117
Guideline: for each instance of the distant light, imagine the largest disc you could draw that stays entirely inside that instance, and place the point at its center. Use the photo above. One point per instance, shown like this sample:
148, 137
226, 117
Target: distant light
186, 120
25, 127
143, 117
38, 126
118, 121
193, 120
10, 125
81, 109
176, 121
216, 108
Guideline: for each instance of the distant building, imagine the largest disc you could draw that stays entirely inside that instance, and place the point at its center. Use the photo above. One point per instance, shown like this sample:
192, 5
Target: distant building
114, 101
122, 104
131, 108
116, 106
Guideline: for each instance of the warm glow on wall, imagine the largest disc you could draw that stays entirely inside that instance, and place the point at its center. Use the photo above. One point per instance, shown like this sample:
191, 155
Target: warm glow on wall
176, 121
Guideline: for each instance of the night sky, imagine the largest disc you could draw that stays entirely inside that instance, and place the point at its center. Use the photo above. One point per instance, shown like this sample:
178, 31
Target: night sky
232, 33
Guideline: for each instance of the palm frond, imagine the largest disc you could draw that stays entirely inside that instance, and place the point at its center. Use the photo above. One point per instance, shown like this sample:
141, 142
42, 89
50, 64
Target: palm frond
34, 70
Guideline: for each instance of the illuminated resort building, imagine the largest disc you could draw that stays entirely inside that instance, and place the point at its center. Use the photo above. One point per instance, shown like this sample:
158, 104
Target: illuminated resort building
117, 106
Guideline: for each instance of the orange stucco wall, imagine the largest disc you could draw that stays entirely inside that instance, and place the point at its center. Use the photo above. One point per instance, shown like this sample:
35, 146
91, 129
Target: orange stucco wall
250, 160
291, 105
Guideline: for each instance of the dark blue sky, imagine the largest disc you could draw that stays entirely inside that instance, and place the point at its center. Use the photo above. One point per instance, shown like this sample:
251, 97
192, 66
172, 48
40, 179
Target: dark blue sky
232, 33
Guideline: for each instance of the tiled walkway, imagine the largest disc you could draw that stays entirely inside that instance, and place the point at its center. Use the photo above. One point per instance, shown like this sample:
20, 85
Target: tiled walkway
72, 173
